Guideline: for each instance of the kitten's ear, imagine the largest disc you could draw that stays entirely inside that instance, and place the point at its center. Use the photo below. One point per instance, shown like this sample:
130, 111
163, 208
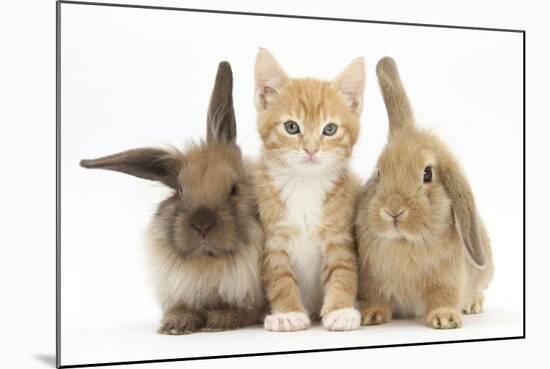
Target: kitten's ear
269, 77
351, 83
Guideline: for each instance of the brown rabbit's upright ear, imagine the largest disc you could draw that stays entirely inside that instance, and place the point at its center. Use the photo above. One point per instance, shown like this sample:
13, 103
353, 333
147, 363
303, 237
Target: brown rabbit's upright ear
148, 163
464, 210
400, 113
220, 124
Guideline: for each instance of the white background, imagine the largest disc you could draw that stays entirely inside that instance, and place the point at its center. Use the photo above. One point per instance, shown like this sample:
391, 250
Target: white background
28, 236
134, 77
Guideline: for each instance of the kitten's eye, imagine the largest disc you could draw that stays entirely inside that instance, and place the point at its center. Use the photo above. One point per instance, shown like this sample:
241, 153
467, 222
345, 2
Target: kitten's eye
428, 174
292, 127
330, 129
234, 190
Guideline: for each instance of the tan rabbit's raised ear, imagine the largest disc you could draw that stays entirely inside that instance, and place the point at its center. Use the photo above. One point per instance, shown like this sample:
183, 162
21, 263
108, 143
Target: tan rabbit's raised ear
464, 210
220, 124
148, 163
400, 113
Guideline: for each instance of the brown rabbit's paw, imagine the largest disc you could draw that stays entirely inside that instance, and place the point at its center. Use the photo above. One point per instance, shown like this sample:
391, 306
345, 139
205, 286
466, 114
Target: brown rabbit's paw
474, 307
376, 315
444, 318
180, 323
222, 320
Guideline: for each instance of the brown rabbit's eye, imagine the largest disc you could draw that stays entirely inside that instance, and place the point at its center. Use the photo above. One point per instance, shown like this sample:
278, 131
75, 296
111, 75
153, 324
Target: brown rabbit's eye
234, 190
180, 190
428, 174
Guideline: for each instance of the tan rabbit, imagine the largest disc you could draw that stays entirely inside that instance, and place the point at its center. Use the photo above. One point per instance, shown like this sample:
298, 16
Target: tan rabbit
205, 241
423, 248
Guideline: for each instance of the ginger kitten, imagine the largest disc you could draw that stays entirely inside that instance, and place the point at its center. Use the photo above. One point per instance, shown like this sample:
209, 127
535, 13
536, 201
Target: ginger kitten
307, 194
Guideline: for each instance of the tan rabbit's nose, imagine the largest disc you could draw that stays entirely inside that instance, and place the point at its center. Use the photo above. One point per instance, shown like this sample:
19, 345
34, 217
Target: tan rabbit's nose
395, 215
392, 215
394, 208
202, 220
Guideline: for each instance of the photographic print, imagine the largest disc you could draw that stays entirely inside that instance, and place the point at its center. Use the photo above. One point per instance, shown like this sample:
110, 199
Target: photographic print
234, 183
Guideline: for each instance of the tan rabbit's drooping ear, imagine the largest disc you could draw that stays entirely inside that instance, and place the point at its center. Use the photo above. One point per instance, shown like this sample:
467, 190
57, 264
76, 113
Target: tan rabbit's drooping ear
400, 113
464, 210
221, 125
148, 163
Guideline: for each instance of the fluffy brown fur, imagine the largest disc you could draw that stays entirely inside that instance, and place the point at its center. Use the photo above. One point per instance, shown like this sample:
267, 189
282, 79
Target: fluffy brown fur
423, 248
205, 240
306, 195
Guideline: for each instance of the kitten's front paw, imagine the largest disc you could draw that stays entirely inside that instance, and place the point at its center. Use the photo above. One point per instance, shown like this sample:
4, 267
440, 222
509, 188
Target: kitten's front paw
376, 315
287, 322
444, 318
183, 323
342, 320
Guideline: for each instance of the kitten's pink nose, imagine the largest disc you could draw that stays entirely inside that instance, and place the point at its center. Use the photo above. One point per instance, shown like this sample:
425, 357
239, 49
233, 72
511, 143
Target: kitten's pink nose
311, 152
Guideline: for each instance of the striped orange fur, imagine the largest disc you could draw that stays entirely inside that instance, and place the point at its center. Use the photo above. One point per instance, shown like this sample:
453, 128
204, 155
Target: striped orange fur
307, 194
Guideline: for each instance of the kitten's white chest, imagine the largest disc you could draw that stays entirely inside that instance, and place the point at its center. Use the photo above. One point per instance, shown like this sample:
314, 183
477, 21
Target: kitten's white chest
304, 198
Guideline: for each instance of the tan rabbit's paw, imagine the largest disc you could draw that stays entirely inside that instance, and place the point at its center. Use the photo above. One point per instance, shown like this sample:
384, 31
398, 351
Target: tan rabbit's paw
177, 324
474, 307
444, 318
287, 322
376, 315
342, 320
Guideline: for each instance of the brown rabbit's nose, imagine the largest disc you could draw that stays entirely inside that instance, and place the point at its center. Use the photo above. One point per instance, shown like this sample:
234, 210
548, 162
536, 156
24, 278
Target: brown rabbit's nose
203, 220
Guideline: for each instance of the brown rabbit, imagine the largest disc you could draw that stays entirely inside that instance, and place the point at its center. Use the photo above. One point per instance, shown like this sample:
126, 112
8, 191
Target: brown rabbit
423, 248
205, 240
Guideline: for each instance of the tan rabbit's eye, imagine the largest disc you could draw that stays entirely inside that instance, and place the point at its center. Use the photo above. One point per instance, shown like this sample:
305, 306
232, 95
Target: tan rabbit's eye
180, 190
428, 174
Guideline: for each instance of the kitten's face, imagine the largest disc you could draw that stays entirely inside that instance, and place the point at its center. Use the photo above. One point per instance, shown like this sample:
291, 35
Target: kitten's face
307, 125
